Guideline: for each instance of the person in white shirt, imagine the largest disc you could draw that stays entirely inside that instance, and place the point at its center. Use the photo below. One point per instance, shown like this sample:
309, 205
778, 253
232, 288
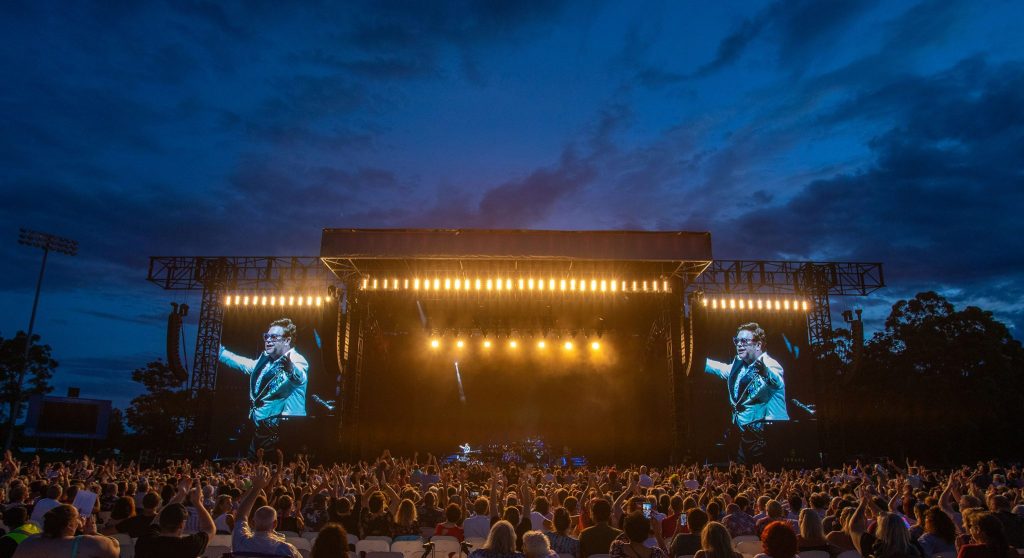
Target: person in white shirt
43, 505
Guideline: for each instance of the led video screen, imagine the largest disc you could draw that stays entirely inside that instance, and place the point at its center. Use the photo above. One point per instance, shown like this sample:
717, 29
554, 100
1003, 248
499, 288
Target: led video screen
721, 392
275, 364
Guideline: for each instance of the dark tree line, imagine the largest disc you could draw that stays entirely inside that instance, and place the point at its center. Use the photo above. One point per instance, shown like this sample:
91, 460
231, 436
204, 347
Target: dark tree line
937, 383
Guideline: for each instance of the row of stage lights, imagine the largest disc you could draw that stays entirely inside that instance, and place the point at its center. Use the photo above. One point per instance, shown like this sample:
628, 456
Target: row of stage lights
512, 344
275, 300
760, 304
523, 284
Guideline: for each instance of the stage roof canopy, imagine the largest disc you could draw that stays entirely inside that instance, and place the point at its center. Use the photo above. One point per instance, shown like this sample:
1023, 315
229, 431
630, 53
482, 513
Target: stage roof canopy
358, 253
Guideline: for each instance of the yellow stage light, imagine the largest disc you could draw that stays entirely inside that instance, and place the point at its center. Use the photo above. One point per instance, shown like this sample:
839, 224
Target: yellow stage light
487, 343
541, 344
437, 284
634, 286
529, 283
499, 284
477, 283
374, 283
508, 284
604, 286
521, 283
785, 304
664, 286
551, 284
447, 284
435, 343
572, 284
291, 300
595, 345
416, 284
714, 303
568, 345
805, 305
732, 303
593, 285
615, 285
513, 344
365, 283
460, 343
742, 304
245, 300
319, 301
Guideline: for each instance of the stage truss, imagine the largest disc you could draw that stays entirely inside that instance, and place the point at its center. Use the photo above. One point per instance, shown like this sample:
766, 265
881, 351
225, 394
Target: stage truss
217, 276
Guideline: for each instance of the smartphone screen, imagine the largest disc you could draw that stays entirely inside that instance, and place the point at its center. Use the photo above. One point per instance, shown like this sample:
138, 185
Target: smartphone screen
647, 510
682, 519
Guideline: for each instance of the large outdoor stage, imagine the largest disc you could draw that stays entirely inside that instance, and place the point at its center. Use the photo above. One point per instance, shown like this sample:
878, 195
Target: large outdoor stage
594, 342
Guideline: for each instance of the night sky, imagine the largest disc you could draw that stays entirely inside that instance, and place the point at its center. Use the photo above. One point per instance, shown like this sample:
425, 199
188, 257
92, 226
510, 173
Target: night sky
835, 130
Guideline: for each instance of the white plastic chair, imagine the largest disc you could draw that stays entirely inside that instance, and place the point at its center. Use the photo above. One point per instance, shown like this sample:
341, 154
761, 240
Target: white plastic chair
353, 539
368, 546
220, 540
477, 542
378, 538
311, 536
744, 538
849, 554
409, 549
299, 543
814, 554
446, 547
749, 547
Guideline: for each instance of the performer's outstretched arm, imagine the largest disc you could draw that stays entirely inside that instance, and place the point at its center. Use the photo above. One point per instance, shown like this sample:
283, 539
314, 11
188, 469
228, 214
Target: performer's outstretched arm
238, 362
716, 368
772, 372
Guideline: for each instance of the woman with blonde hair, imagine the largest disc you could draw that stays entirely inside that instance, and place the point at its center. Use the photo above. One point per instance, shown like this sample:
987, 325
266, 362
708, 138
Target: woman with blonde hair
500, 543
812, 534
536, 545
406, 526
715, 542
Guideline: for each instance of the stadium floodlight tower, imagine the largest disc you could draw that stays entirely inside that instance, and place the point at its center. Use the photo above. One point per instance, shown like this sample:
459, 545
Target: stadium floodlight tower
46, 242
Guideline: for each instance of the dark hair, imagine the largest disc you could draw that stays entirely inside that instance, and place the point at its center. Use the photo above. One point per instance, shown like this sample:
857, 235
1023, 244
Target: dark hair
453, 513
758, 331
57, 520
542, 505
636, 526
696, 518
172, 516
938, 523
561, 520
124, 507
15, 516
332, 542
376, 502
992, 533
151, 501
287, 325
779, 540
601, 510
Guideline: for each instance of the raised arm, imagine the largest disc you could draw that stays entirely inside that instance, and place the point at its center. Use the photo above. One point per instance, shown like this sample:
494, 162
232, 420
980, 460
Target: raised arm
260, 479
716, 368
236, 362
206, 524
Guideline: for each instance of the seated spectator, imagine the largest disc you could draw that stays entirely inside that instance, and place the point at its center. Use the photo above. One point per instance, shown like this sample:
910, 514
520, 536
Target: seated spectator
688, 543
58, 537
597, 539
261, 537
167, 539
123, 510
811, 536
939, 533
287, 520
778, 540
500, 543
535, 545
559, 539
478, 525
222, 518
406, 527
737, 520
52, 500
450, 527
715, 542
987, 530
19, 529
637, 529
893, 539
331, 542
842, 540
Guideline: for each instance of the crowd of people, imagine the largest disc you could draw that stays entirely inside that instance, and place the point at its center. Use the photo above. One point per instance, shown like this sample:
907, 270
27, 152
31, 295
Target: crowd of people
882, 510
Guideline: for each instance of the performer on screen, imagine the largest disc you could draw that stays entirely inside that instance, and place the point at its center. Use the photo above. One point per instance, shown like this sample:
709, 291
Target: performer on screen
757, 391
277, 382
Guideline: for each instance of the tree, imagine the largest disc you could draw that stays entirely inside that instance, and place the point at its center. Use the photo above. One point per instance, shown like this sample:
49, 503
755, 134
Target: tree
37, 376
940, 382
158, 416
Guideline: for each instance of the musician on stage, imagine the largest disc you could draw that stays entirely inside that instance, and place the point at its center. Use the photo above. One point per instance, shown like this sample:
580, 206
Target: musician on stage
757, 391
277, 382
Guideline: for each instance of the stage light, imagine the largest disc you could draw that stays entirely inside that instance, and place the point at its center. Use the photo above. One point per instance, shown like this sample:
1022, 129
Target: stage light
742, 305
664, 286
227, 301
595, 345
614, 285
805, 305
385, 284
604, 286
568, 345
551, 284
487, 343
645, 286
245, 300
460, 343
785, 304
319, 301
291, 300
529, 283
437, 284
583, 285
394, 283
760, 304
513, 344
572, 284
508, 284
406, 287
714, 303
374, 283
778, 305
365, 283
634, 286
416, 284
499, 284
490, 284
541, 344
309, 301
477, 283
447, 284
654, 286
593, 285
